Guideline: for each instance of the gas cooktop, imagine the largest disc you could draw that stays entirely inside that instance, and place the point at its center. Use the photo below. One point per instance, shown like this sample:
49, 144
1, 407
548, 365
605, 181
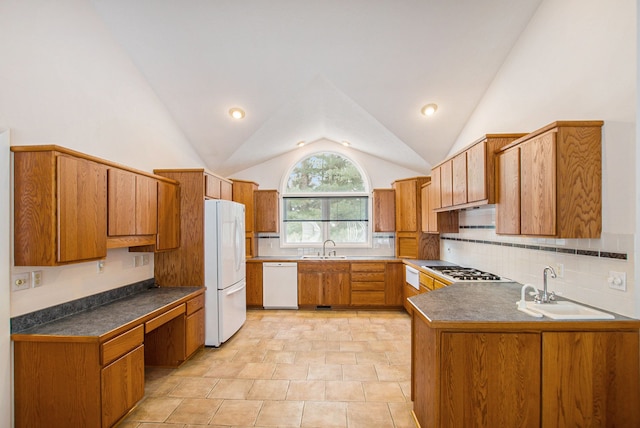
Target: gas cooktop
466, 274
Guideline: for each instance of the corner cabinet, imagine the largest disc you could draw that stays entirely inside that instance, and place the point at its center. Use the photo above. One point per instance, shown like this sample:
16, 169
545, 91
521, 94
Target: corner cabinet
411, 242
433, 221
60, 207
549, 182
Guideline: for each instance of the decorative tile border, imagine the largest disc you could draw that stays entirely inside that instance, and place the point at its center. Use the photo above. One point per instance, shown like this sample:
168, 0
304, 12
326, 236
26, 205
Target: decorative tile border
562, 250
43, 316
492, 227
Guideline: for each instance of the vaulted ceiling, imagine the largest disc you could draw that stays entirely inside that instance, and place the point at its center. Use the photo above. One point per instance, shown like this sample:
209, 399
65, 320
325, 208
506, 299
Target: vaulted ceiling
303, 70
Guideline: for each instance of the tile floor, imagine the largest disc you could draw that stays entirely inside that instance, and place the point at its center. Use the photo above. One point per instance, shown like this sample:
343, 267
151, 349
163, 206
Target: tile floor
290, 369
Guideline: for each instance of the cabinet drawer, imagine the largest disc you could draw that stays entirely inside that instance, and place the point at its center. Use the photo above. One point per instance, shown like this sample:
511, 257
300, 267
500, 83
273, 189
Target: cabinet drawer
367, 267
195, 304
367, 298
164, 318
120, 345
367, 286
367, 276
426, 280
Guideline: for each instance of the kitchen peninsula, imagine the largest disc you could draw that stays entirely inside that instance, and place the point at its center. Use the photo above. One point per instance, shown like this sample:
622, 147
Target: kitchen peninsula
478, 361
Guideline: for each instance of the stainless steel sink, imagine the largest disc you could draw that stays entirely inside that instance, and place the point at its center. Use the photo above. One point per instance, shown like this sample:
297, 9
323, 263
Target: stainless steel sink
565, 310
311, 257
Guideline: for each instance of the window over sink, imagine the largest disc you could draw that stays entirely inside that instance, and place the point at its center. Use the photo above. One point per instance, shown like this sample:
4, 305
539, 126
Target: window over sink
326, 196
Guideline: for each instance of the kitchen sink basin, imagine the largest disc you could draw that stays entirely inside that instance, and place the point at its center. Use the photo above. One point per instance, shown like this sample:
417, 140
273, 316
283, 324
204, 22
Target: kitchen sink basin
311, 257
565, 310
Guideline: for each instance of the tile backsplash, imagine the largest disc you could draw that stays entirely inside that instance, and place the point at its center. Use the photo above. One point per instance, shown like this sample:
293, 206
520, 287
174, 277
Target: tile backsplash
585, 263
383, 245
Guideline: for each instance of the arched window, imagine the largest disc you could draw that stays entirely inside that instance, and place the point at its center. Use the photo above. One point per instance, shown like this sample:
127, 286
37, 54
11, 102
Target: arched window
325, 196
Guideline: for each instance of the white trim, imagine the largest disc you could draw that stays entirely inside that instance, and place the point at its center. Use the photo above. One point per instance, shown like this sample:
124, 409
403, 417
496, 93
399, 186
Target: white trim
6, 365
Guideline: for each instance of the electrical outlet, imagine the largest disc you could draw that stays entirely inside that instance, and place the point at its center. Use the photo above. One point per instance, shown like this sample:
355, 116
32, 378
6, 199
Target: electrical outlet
100, 266
36, 278
617, 280
145, 259
20, 281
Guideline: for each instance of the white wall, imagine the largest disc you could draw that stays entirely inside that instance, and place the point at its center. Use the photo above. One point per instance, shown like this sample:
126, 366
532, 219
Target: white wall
575, 60
66, 81
6, 400
269, 174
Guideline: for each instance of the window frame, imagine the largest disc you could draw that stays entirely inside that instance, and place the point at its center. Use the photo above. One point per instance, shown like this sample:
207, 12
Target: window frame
366, 193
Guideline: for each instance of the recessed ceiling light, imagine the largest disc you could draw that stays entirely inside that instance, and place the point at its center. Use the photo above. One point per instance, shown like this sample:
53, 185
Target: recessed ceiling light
429, 109
346, 143
236, 113
300, 143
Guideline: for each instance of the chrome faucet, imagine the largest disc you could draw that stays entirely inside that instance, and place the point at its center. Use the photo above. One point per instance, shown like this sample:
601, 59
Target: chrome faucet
546, 297
324, 244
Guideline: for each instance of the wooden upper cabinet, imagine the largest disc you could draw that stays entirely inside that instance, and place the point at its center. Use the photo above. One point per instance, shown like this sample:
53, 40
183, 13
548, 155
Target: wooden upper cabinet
446, 184
243, 193
217, 187
267, 211
133, 204
508, 184
82, 210
433, 221
476, 172
384, 210
435, 192
60, 207
557, 172
211, 186
459, 179
408, 204
538, 186
467, 178
168, 216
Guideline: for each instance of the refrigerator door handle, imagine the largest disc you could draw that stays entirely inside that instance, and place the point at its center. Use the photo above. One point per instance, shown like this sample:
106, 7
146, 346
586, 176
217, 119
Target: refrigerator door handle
234, 291
238, 246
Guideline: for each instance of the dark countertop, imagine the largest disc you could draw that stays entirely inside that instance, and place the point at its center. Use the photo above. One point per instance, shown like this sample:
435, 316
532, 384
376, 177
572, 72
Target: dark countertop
483, 305
104, 319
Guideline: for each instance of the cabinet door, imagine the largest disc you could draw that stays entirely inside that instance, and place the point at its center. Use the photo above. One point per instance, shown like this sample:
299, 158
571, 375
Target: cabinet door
194, 333
476, 173
266, 210
82, 208
384, 210
538, 185
310, 285
254, 284
425, 210
226, 190
406, 206
122, 386
146, 205
336, 290
168, 216
211, 186
122, 202
446, 184
508, 198
393, 282
436, 199
590, 379
490, 379
243, 193
459, 174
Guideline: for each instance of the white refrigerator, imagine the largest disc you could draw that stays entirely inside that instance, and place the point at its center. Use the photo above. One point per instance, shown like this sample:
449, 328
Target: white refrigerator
225, 270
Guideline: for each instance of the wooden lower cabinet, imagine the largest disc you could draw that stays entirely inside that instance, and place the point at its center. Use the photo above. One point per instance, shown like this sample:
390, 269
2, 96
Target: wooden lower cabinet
254, 284
324, 283
122, 385
89, 381
514, 378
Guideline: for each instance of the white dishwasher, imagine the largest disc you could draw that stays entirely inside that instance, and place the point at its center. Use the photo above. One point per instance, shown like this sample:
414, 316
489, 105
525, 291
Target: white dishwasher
280, 285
